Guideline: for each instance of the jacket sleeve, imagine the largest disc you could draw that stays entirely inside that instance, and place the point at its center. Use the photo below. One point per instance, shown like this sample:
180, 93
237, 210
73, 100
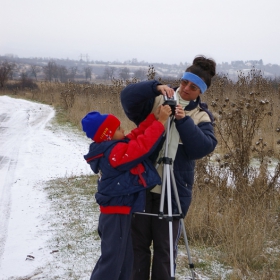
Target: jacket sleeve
138, 99
142, 127
198, 140
126, 155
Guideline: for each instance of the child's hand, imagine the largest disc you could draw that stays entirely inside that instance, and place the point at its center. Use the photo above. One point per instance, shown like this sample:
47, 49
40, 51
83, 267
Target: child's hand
164, 113
156, 113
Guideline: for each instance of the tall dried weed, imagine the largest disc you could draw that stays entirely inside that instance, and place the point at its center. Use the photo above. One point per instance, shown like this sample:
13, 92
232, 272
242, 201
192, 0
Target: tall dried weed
236, 203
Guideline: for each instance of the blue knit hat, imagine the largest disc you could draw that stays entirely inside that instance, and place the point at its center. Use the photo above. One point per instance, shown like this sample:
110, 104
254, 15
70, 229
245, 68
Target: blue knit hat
100, 127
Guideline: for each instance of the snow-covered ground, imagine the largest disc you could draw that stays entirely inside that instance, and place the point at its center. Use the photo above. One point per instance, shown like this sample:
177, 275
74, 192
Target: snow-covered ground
31, 153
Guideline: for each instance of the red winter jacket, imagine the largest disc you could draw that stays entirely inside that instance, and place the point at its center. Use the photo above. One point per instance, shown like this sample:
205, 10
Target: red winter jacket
125, 168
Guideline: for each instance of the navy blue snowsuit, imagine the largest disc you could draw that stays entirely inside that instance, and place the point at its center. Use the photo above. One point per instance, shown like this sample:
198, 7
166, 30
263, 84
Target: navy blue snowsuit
125, 173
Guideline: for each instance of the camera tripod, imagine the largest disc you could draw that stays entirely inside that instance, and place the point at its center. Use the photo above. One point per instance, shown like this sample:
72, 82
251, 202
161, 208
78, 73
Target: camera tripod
168, 180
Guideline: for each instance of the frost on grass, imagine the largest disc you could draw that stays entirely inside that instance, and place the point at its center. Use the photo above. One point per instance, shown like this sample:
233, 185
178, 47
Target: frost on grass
75, 243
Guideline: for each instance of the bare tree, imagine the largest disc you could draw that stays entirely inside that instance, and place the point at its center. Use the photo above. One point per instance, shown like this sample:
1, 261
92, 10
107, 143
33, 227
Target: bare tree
106, 74
23, 76
124, 73
24, 80
6, 69
34, 70
140, 74
56, 72
62, 73
50, 70
73, 72
112, 71
109, 73
13, 71
88, 71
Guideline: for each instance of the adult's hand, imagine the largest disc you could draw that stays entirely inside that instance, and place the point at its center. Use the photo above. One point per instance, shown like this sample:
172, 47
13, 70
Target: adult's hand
165, 90
179, 112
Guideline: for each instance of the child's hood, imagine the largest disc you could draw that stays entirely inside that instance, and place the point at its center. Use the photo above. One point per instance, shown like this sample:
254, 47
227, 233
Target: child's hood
96, 151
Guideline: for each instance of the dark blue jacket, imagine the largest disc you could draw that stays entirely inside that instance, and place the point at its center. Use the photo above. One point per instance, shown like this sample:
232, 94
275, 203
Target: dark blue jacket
198, 140
124, 168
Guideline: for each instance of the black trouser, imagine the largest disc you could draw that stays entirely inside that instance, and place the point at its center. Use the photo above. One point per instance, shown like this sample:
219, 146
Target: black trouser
147, 230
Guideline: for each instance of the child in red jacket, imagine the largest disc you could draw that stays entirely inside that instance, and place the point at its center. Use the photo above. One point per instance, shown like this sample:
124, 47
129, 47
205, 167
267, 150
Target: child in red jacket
122, 162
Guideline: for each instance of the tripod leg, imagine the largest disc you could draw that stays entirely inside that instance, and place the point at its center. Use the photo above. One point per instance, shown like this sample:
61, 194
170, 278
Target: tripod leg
166, 186
163, 187
170, 221
182, 222
165, 172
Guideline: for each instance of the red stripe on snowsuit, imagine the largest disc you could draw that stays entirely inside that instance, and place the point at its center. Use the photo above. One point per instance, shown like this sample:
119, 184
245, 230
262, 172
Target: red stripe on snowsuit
92, 158
115, 209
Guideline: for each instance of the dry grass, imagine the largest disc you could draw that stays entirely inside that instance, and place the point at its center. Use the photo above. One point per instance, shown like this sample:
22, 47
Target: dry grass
236, 204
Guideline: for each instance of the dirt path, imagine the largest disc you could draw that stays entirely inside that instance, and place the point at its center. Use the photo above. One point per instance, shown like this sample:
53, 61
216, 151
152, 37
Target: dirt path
32, 152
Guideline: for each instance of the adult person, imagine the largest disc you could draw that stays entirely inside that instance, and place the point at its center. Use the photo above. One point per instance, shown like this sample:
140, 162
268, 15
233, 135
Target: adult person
191, 138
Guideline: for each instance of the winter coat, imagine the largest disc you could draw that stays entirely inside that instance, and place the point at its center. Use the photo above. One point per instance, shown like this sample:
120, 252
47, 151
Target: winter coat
196, 133
124, 168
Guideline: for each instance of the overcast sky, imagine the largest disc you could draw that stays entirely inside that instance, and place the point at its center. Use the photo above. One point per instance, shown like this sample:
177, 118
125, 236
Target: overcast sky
169, 31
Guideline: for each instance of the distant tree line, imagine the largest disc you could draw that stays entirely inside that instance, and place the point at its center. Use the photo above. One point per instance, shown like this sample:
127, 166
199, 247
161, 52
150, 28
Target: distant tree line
123, 73
6, 73
63, 70
52, 72
56, 72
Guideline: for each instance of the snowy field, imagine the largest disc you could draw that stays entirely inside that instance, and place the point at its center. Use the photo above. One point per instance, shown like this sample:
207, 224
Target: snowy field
48, 229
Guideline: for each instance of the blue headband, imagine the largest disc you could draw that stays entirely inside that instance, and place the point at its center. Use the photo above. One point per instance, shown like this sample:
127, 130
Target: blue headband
196, 80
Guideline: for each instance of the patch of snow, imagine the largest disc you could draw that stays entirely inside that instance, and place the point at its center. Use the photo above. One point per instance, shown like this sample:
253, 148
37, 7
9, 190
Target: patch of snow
32, 152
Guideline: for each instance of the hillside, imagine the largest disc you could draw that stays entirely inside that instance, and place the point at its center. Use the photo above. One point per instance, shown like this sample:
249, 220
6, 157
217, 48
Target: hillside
94, 70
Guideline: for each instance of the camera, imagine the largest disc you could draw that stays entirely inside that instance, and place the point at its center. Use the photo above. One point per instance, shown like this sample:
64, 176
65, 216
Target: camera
172, 102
